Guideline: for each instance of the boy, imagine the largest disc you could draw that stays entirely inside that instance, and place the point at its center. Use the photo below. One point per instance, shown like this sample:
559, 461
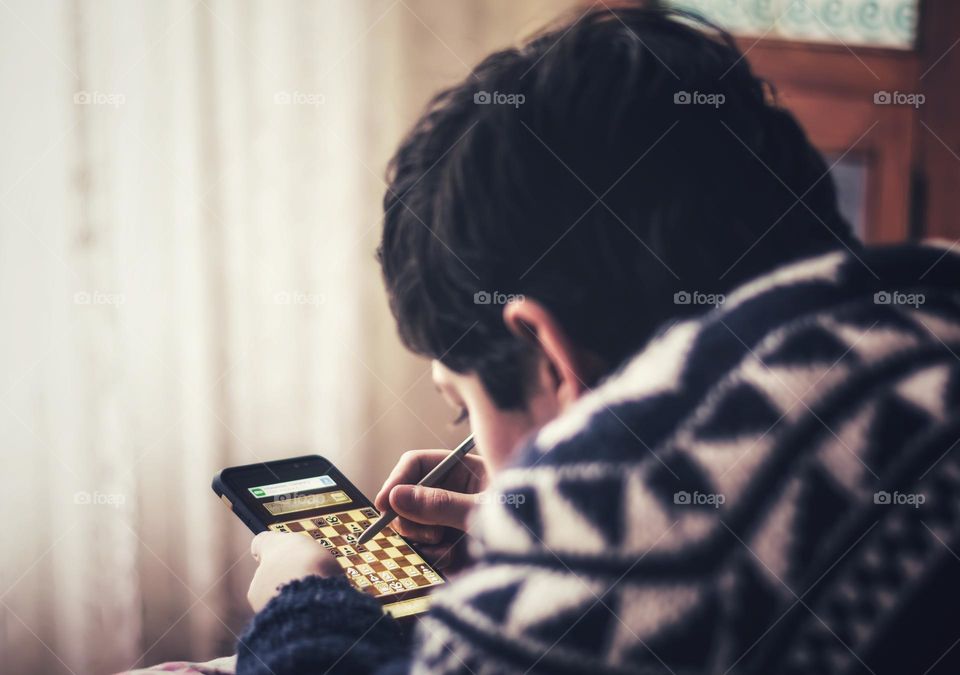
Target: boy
690, 439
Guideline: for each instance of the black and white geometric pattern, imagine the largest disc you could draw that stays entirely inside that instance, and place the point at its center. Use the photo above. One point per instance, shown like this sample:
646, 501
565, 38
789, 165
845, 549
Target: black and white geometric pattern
743, 496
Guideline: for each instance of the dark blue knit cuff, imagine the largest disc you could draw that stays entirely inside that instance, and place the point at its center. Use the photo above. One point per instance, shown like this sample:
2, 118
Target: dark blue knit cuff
318, 624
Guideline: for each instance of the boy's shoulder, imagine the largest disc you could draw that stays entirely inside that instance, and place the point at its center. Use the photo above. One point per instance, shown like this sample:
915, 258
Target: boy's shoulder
730, 448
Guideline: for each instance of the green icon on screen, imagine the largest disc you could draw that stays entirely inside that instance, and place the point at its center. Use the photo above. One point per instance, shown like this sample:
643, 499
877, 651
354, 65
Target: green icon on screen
258, 492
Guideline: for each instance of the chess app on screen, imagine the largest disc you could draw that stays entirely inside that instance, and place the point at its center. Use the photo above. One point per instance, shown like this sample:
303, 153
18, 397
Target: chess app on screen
309, 497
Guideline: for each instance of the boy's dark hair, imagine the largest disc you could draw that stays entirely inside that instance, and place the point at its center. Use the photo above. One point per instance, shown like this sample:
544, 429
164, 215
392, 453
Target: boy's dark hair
600, 168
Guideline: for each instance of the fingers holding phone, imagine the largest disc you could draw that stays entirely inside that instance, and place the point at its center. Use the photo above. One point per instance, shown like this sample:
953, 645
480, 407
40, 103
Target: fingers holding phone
434, 517
283, 558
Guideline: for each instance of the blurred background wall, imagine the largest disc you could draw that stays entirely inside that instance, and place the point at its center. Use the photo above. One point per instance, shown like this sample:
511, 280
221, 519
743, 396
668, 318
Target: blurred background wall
189, 206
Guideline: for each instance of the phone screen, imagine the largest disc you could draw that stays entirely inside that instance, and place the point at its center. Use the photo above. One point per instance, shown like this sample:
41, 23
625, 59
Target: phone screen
311, 498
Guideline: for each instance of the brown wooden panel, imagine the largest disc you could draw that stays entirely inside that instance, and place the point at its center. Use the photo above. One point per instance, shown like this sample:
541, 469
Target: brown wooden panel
938, 134
831, 88
831, 68
881, 135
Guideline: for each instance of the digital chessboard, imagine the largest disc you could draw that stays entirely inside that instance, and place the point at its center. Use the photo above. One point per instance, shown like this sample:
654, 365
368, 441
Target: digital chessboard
385, 565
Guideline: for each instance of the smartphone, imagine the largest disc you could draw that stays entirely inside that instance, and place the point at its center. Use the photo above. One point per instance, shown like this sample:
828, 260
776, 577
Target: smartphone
310, 497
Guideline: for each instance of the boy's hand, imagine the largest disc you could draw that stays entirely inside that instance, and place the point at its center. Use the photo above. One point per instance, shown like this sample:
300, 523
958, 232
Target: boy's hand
283, 557
434, 518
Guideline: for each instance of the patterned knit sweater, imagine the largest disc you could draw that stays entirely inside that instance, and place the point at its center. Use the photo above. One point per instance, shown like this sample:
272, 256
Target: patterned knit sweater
771, 488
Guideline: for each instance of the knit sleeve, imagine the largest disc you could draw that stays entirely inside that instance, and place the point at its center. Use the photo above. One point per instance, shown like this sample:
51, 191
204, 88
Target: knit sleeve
322, 625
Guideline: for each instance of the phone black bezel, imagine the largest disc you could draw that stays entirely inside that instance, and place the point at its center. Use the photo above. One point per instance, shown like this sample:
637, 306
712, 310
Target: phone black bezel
274, 471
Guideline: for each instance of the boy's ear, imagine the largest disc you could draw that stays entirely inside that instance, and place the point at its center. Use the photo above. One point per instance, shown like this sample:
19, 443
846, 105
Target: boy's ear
573, 370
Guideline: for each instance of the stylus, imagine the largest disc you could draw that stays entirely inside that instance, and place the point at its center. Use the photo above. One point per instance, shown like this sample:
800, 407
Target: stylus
437, 474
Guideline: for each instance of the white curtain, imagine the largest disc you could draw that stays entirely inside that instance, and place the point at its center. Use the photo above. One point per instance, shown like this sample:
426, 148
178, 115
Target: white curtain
189, 205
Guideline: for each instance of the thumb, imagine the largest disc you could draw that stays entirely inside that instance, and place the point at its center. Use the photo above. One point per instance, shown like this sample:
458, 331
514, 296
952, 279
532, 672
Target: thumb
260, 542
432, 506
